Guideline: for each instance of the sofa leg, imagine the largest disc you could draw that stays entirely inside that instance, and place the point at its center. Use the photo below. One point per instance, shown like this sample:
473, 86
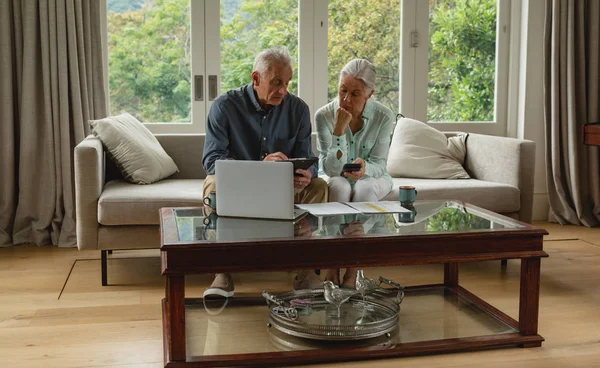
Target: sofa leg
503, 262
103, 266
109, 251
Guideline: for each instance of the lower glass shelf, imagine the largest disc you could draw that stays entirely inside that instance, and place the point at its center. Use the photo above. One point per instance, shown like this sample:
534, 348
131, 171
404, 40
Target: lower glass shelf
241, 325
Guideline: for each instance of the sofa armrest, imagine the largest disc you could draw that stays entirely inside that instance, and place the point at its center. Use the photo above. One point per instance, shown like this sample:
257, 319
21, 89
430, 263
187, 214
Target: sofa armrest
89, 182
504, 160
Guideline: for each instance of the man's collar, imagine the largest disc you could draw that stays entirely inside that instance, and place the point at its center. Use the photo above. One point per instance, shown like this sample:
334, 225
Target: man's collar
252, 95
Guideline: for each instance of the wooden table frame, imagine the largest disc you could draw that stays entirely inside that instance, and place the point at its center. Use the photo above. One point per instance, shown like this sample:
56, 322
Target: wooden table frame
179, 259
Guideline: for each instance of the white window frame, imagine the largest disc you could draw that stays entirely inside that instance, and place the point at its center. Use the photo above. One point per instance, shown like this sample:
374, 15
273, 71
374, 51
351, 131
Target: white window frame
312, 56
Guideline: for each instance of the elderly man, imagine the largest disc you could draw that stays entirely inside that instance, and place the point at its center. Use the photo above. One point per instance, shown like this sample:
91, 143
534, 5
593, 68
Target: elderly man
262, 121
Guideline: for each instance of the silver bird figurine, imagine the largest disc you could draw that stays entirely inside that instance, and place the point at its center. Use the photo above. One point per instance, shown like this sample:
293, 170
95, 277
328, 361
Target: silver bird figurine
363, 284
336, 296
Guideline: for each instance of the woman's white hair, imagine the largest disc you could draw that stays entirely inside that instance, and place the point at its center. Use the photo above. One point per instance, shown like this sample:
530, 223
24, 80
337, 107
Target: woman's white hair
268, 57
360, 69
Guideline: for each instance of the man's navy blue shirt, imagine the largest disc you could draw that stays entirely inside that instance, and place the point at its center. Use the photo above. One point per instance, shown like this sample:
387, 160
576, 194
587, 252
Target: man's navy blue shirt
239, 128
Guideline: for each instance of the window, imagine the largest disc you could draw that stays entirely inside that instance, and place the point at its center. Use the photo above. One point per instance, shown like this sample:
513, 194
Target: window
454, 64
462, 57
169, 59
149, 59
441, 61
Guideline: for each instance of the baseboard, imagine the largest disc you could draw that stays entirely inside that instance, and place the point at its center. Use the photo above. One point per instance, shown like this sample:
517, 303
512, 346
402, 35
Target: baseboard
541, 206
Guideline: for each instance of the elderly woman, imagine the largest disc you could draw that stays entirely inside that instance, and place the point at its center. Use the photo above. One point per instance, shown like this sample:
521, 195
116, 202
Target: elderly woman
354, 129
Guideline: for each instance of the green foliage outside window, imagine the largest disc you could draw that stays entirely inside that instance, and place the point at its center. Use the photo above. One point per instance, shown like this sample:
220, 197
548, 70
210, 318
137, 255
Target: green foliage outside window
149, 61
462, 56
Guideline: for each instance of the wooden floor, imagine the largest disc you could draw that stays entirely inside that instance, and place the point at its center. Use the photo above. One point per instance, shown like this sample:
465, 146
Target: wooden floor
54, 313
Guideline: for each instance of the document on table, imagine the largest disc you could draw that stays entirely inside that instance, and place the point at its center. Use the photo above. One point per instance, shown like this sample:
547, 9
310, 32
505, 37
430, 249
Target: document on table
329, 208
378, 207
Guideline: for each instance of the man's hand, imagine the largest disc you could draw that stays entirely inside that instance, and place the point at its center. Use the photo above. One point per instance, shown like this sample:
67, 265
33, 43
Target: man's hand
356, 175
342, 119
301, 180
277, 156
354, 228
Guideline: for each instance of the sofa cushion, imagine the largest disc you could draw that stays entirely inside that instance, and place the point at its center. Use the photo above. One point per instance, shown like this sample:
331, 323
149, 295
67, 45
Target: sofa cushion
420, 151
134, 149
123, 203
492, 196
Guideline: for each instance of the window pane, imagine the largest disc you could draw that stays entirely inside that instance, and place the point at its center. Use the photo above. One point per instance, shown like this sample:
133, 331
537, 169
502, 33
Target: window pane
462, 56
149, 59
368, 30
250, 26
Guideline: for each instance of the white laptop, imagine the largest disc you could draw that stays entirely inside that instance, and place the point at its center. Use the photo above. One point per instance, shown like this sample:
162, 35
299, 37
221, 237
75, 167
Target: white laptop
256, 189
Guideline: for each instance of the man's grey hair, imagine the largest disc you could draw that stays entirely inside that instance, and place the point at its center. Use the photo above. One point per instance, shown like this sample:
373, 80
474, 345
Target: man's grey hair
361, 69
268, 57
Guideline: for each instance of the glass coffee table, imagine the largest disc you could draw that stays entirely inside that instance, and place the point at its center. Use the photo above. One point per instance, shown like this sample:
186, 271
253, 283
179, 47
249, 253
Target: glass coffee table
433, 318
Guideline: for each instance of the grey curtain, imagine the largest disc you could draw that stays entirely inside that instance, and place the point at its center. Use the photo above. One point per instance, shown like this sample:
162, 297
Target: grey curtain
52, 81
572, 93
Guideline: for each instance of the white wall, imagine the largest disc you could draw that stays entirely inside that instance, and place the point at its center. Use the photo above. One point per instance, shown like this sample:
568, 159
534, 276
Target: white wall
528, 94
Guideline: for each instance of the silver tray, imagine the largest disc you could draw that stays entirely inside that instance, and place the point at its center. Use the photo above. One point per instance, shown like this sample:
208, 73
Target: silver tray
306, 313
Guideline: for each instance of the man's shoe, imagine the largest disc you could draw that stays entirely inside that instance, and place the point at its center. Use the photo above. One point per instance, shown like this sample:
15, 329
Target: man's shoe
222, 286
307, 280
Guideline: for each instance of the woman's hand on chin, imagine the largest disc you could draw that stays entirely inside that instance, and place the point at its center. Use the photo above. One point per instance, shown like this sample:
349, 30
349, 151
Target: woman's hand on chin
341, 121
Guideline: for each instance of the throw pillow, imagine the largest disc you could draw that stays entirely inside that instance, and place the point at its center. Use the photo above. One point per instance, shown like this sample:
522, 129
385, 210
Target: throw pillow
134, 149
420, 151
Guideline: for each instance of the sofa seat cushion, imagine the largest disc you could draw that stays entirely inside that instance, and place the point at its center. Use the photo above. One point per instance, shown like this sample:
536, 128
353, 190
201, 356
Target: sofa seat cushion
497, 197
123, 203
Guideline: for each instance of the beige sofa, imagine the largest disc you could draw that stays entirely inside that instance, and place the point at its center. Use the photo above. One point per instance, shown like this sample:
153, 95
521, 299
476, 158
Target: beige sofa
113, 214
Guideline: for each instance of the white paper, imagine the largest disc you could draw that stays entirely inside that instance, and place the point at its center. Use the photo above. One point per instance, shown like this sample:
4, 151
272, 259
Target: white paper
378, 207
329, 208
